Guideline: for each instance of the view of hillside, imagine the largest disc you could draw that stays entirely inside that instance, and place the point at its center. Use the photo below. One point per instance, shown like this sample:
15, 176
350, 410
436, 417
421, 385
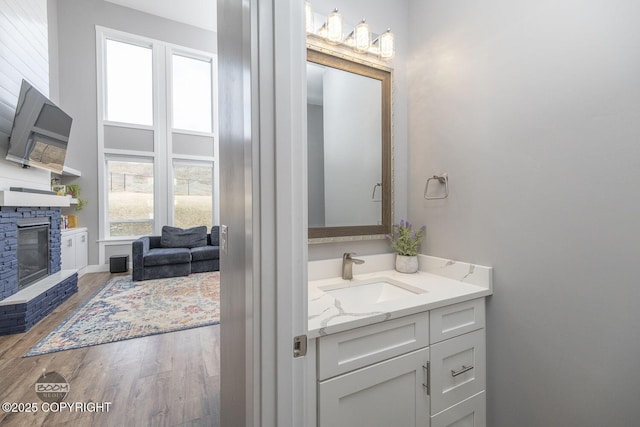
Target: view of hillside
131, 197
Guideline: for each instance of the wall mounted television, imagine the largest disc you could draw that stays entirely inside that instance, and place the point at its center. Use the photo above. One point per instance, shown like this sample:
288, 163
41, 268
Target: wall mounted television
40, 131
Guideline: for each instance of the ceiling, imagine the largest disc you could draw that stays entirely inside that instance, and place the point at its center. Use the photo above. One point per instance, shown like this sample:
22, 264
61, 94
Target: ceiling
199, 13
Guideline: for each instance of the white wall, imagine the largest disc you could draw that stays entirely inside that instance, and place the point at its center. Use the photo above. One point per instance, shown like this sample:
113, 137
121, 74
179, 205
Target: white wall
533, 108
24, 54
380, 15
77, 68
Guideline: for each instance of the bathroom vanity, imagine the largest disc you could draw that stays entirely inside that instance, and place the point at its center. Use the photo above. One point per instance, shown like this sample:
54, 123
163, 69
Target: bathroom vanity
393, 349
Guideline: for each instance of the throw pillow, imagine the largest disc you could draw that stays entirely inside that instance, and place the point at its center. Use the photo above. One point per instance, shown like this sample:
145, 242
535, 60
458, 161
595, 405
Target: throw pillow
174, 237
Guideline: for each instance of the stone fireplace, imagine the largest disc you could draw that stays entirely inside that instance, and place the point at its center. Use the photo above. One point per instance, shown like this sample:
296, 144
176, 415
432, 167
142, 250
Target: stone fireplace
31, 282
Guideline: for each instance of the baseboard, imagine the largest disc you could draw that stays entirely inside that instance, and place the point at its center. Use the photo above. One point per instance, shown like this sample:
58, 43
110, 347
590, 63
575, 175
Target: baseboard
96, 268
99, 268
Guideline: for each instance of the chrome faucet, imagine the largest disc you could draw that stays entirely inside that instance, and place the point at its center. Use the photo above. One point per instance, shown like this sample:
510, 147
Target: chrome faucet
347, 265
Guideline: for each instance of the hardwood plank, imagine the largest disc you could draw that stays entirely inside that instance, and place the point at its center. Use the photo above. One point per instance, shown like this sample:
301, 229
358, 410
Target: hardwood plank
161, 380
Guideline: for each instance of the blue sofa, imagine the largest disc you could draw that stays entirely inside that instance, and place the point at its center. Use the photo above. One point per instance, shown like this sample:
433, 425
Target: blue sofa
157, 257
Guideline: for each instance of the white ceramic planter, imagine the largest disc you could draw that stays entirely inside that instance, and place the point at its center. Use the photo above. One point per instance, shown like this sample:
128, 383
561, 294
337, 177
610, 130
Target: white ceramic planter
406, 264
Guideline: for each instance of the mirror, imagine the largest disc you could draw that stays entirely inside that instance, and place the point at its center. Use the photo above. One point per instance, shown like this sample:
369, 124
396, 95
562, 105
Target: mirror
349, 147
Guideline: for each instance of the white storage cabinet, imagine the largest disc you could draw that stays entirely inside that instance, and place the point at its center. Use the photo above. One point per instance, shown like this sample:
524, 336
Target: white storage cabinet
74, 245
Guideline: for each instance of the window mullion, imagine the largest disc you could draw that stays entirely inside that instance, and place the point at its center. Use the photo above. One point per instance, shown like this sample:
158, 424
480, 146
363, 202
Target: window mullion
160, 136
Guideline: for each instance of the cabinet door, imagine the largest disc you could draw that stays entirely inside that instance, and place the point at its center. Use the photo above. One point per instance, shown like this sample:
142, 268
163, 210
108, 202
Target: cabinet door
389, 393
457, 370
81, 250
68, 253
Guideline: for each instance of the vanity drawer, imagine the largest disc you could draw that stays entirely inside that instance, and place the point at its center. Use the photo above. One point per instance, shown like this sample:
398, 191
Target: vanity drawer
453, 320
356, 348
468, 413
458, 369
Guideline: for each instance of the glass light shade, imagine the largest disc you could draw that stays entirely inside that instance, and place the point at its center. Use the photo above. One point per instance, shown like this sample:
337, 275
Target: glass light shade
334, 27
308, 14
362, 37
386, 45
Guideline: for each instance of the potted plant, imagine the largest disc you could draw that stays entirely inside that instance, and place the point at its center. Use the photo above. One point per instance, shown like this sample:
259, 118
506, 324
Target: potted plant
406, 243
74, 191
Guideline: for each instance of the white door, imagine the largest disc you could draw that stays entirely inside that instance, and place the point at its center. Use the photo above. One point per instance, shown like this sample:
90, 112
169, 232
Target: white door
81, 250
389, 393
68, 253
262, 133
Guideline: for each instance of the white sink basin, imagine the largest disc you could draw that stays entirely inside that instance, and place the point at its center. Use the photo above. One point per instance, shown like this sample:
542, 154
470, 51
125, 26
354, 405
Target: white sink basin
367, 293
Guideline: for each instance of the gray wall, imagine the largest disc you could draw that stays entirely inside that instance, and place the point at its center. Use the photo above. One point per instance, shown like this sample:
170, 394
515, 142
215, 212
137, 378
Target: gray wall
77, 72
533, 108
380, 15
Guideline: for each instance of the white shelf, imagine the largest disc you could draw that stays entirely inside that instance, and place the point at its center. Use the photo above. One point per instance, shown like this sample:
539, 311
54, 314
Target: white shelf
24, 199
67, 171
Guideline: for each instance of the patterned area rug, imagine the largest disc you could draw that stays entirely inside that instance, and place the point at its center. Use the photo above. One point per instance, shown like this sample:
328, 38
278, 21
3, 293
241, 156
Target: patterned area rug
123, 309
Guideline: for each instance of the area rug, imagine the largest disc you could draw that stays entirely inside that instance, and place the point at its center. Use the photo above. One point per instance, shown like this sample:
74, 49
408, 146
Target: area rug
123, 309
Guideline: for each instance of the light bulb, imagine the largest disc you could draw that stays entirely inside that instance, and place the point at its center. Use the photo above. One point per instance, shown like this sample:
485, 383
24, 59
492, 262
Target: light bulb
362, 37
334, 27
386, 44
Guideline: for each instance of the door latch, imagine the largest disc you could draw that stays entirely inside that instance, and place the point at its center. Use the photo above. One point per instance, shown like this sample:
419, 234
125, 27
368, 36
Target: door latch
300, 346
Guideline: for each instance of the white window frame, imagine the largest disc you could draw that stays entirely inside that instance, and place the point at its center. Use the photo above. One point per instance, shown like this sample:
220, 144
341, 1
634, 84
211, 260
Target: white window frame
189, 53
129, 157
162, 155
194, 162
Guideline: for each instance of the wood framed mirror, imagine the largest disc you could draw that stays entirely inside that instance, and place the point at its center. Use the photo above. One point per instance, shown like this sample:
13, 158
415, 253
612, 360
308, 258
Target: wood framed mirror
349, 147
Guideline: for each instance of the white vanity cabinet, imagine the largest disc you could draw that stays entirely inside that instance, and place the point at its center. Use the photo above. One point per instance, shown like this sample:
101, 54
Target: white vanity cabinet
426, 369
74, 249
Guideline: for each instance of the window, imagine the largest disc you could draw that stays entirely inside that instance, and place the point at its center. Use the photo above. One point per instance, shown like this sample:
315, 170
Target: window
191, 86
156, 139
130, 197
129, 83
193, 194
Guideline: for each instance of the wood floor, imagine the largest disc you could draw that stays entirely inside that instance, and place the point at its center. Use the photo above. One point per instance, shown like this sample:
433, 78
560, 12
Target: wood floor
162, 380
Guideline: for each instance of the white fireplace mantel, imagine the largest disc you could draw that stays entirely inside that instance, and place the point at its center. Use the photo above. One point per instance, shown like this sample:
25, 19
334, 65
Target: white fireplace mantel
23, 199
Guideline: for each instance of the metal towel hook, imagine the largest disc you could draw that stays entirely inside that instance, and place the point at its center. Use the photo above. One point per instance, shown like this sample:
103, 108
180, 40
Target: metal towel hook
442, 179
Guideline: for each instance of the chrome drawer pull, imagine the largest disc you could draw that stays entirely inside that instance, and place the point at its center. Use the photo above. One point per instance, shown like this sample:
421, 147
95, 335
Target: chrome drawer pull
427, 386
461, 371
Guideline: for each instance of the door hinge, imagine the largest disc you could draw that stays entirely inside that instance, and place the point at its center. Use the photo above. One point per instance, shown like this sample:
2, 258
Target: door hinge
300, 346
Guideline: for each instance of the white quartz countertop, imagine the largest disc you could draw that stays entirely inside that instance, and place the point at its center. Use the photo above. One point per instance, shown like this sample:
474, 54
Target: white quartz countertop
440, 281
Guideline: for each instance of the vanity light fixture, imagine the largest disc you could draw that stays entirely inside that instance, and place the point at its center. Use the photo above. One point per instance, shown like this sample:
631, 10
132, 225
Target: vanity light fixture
332, 31
334, 27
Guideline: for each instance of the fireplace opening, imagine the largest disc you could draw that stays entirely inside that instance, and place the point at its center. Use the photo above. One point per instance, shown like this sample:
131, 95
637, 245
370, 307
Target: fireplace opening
33, 250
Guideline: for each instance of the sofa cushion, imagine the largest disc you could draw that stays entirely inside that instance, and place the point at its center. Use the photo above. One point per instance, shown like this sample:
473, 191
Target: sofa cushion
174, 237
215, 235
166, 256
205, 252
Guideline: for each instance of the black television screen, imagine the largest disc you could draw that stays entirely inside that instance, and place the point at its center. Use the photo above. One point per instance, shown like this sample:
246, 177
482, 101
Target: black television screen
40, 131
